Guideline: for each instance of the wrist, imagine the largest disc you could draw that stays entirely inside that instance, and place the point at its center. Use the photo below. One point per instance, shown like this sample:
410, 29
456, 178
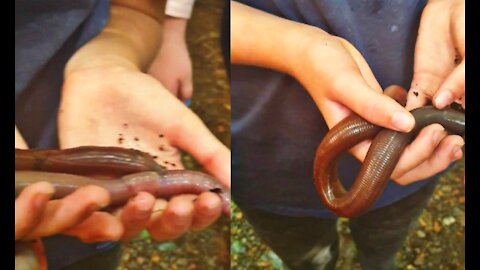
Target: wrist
174, 30
129, 41
310, 47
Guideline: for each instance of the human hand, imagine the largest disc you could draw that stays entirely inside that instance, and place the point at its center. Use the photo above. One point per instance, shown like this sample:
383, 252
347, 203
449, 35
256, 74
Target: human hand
36, 216
340, 82
19, 141
127, 108
172, 65
439, 68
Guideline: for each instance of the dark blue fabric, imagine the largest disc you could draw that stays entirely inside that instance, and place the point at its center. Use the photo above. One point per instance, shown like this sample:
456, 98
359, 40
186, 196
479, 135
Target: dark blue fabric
47, 33
276, 126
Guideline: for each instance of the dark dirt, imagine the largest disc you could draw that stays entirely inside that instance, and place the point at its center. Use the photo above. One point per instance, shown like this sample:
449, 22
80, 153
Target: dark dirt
208, 249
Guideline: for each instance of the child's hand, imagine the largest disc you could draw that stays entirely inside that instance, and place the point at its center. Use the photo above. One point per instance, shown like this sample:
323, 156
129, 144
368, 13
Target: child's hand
172, 66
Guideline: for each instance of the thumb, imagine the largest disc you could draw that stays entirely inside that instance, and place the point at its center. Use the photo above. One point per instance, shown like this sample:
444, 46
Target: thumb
197, 140
371, 105
453, 88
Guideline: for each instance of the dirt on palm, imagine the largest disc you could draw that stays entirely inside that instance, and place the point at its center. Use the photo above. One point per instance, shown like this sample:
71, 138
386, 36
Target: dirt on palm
208, 249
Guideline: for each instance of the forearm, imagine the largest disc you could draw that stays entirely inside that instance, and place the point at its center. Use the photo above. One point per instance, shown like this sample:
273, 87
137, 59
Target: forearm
261, 39
130, 39
19, 141
174, 29
175, 24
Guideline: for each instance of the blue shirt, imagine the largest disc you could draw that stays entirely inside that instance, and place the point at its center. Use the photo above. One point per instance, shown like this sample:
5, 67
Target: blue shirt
276, 126
47, 33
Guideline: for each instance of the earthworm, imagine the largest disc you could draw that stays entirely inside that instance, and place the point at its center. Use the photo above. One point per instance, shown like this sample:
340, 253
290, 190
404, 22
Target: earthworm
133, 171
86, 160
382, 157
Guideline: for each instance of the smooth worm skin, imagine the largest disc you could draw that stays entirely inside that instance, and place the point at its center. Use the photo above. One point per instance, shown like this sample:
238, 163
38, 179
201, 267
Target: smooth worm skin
86, 160
382, 157
133, 171
164, 184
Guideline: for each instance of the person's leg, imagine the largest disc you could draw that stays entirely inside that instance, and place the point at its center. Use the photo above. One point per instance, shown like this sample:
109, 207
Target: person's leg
106, 260
69, 253
301, 242
380, 233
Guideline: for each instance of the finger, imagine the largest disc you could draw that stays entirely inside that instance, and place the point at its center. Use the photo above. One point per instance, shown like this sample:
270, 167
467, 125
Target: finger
434, 56
158, 208
452, 89
187, 132
63, 214
213, 155
173, 86
375, 107
175, 220
458, 27
186, 89
449, 150
416, 99
29, 207
420, 149
98, 227
171, 83
398, 93
135, 215
157, 71
208, 208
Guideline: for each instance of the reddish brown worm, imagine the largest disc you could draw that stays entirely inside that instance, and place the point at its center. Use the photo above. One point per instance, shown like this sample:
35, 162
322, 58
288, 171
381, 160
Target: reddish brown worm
133, 171
382, 157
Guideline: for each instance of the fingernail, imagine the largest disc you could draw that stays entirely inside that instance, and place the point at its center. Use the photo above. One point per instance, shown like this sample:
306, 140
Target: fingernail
188, 102
443, 99
402, 121
45, 189
457, 152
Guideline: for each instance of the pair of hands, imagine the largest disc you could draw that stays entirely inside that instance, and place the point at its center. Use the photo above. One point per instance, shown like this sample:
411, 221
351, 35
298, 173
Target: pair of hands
347, 84
128, 108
